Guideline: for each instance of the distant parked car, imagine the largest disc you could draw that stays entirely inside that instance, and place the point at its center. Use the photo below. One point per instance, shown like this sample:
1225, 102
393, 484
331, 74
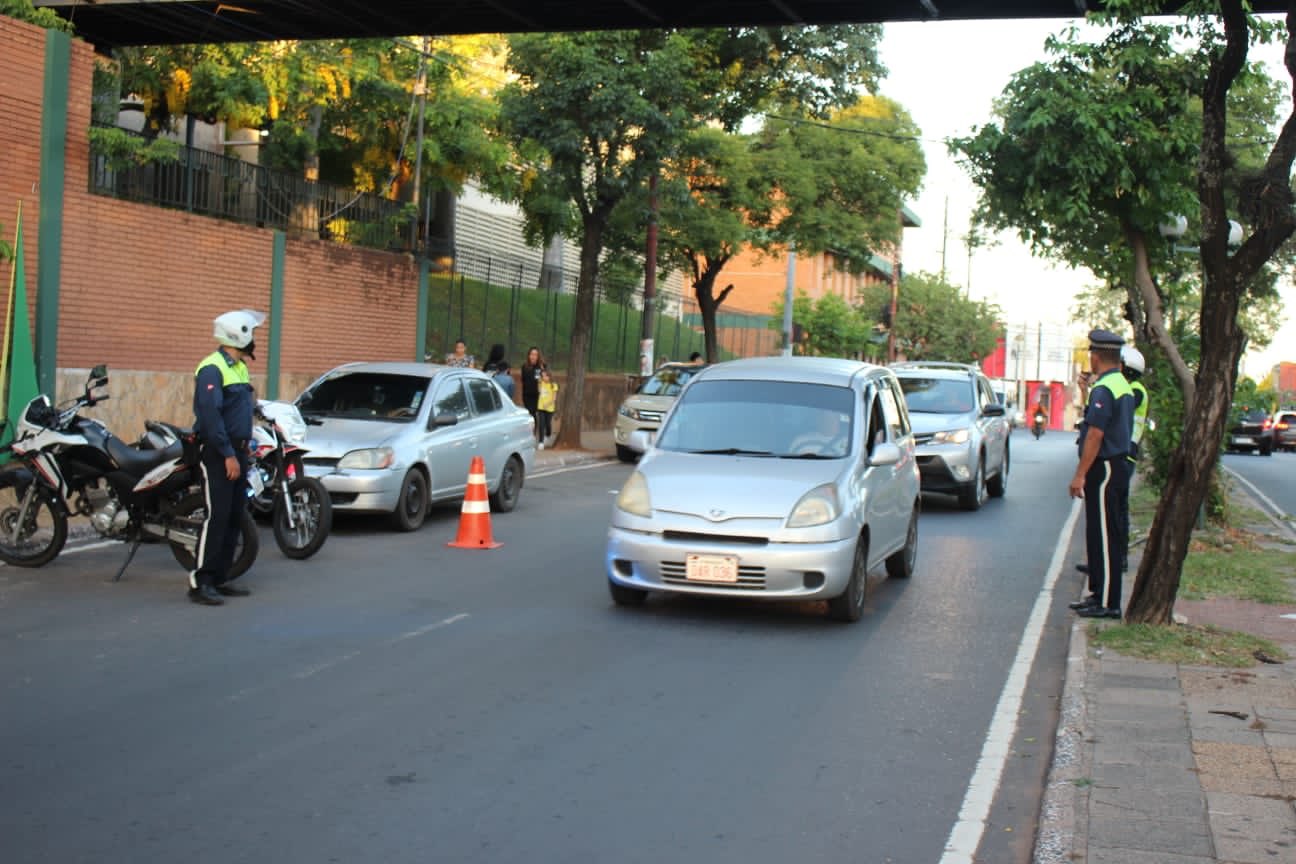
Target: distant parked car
647, 407
397, 437
1285, 430
1252, 433
774, 479
960, 429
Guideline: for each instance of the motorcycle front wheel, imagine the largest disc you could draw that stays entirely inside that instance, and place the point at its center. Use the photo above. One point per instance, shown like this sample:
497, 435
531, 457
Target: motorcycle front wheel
44, 531
193, 508
312, 518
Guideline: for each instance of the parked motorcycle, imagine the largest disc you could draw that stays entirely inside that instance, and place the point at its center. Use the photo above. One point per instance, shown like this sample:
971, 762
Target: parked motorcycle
1037, 427
68, 465
299, 506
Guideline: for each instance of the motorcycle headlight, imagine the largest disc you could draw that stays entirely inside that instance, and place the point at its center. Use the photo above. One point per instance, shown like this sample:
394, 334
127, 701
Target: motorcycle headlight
951, 436
819, 506
371, 459
633, 497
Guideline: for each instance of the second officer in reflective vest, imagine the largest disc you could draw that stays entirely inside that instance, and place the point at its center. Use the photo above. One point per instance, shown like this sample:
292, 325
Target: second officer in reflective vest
223, 406
1102, 475
1133, 364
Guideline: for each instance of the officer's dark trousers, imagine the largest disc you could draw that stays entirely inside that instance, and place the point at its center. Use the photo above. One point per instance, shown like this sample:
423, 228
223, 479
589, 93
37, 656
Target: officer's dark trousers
1106, 493
226, 501
1125, 512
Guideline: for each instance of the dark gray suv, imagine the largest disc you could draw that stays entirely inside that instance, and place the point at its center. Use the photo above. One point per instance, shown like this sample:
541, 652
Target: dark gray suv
960, 428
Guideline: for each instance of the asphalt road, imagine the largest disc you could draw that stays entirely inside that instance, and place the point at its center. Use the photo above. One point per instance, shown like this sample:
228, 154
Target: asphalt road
1274, 476
395, 700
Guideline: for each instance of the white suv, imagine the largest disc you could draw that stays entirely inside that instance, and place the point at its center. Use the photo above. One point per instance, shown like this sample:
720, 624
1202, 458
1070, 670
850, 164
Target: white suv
960, 429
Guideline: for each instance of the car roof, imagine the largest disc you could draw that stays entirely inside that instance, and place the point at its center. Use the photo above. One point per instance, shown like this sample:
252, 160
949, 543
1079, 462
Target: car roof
426, 370
806, 370
948, 371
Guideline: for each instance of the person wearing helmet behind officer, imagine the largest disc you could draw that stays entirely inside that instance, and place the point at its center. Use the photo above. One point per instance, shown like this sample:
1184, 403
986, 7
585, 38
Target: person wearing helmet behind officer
223, 406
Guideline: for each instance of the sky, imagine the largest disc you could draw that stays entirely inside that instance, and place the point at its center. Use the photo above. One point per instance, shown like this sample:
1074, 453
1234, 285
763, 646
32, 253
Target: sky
947, 74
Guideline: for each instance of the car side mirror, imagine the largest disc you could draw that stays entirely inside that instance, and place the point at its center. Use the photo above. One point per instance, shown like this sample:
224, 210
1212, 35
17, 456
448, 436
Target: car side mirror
993, 410
642, 440
446, 418
885, 453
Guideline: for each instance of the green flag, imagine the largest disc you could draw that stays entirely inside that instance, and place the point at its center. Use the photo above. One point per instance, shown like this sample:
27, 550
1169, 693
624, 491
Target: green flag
20, 360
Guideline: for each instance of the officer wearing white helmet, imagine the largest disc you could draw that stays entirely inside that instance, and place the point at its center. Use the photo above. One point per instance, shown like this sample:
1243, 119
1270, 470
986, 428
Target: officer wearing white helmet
223, 406
1132, 367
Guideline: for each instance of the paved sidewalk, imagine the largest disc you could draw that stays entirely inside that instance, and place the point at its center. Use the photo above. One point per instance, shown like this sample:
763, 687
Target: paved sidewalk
597, 447
1159, 763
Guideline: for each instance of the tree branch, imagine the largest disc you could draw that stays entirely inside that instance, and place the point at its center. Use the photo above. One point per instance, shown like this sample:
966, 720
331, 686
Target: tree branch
1155, 318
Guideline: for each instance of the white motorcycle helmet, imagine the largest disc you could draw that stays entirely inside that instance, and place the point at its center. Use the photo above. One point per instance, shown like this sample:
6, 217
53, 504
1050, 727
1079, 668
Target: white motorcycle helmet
237, 329
1133, 358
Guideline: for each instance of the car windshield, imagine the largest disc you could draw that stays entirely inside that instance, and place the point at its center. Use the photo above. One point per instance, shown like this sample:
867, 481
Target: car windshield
1254, 415
783, 419
668, 381
365, 396
937, 395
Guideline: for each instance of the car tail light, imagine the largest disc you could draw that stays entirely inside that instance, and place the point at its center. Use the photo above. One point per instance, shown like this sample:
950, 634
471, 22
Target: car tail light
1266, 423
1281, 426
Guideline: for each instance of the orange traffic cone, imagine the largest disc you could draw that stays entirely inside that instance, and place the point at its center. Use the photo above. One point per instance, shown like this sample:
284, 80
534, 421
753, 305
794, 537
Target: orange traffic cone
474, 516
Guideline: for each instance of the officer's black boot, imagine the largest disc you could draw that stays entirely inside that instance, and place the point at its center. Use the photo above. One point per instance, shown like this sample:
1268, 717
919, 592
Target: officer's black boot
205, 595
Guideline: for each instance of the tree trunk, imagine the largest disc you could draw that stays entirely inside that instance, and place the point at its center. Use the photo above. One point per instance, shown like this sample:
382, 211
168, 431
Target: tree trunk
1155, 319
306, 217
569, 429
709, 303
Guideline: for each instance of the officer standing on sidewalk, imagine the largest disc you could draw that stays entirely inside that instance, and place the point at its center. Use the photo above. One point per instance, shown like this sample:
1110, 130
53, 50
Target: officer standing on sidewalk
223, 406
1132, 366
1102, 475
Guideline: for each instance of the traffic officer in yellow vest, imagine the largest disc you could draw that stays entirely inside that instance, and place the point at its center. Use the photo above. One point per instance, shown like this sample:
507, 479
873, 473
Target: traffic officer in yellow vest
1132, 366
1102, 475
223, 406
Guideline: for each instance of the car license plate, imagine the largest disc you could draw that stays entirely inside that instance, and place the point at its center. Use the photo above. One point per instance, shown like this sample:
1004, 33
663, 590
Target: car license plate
711, 568
1243, 439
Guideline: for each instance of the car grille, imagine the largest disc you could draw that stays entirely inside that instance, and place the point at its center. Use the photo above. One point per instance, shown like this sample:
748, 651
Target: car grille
691, 537
320, 461
920, 440
650, 416
749, 578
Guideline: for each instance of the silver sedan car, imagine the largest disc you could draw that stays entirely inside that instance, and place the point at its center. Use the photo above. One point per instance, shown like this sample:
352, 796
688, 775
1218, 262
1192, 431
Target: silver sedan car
772, 478
397, 437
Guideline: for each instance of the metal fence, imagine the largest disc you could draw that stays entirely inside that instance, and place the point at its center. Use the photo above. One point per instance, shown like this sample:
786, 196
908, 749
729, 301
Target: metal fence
489, 299
224, 187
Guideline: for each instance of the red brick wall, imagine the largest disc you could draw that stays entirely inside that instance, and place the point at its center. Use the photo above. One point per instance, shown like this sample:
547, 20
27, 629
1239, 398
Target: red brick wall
140, 285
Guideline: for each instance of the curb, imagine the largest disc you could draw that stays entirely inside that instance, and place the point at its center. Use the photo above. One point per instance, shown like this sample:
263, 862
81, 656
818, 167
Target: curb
1064, 810
567, 458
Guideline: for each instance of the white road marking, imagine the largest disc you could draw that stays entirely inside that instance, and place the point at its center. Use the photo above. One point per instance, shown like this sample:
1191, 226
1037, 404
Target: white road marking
965, 836
1276, 516
437, 625
583, 466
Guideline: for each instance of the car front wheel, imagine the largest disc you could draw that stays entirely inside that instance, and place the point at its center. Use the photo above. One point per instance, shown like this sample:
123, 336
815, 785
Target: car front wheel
974, 494
849, 605
412, 505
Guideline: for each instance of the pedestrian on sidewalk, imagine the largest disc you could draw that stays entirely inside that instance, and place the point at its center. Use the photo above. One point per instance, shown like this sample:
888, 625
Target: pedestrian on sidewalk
460, 356
532, 369
1102, 475
546, 404
498, 368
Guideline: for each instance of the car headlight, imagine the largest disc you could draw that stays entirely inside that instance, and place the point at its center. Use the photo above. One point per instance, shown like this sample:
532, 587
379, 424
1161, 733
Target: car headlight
627, 411
952, 436
633, 497
819, 506
371, 459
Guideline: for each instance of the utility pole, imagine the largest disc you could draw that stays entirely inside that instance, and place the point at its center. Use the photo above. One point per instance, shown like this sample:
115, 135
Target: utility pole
420, 90
788, 292
895, 302
944, 238
650, 282
1039, 351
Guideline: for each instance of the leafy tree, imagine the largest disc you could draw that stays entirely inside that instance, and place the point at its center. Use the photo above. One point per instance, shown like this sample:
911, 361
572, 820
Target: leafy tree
830, 327
935, 321
606, 109
1092, 150
23, 10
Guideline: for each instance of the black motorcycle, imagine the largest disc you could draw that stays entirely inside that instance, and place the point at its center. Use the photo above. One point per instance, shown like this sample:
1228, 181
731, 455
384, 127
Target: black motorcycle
68, 465
299, 506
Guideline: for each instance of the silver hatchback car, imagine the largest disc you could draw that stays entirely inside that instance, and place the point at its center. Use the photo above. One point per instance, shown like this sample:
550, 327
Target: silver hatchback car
397, 437
772, 478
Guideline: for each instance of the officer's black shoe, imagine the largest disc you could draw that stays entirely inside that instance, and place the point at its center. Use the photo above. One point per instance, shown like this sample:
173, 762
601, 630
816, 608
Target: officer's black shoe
230, 590
205, 595
1087, 602
1083, 568
1099, 612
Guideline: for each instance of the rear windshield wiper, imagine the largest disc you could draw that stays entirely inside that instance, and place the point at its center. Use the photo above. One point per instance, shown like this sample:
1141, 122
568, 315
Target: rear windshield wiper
732, 451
